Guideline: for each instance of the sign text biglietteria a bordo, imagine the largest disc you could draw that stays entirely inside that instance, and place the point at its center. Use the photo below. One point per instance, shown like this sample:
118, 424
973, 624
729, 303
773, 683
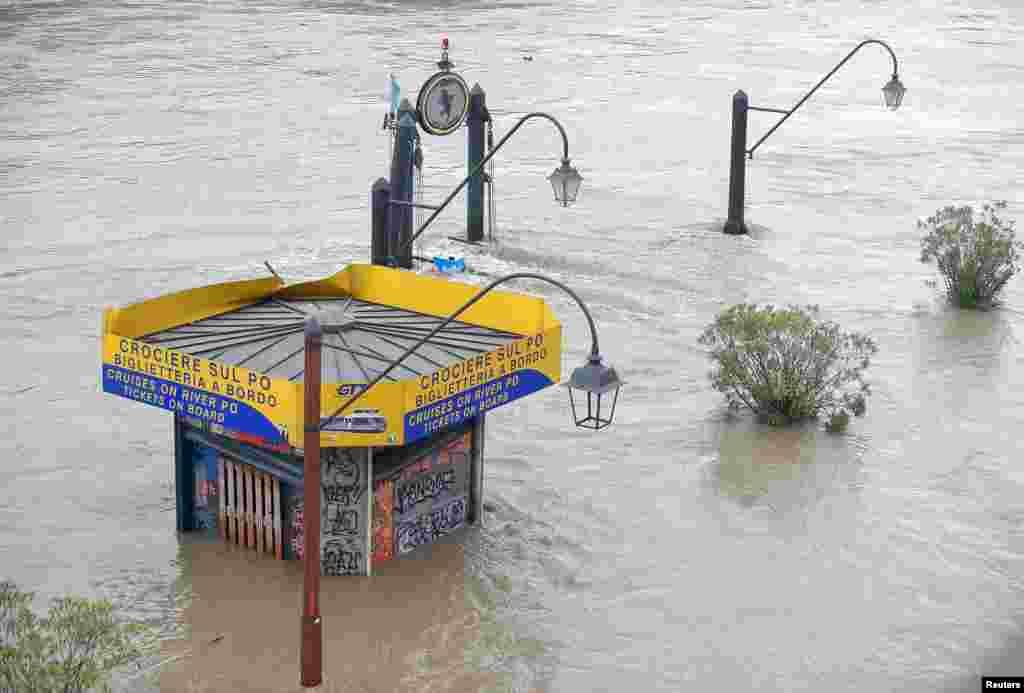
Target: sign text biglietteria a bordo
229, 396
461, 391
270, 409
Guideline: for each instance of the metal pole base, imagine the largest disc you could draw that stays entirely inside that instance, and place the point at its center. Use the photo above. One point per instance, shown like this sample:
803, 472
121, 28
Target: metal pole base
312, 651
735, 227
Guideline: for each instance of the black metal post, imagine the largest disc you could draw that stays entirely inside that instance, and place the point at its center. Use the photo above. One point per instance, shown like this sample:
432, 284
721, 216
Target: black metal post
400, 216
476, 121
380, 197
737, 164
183, 481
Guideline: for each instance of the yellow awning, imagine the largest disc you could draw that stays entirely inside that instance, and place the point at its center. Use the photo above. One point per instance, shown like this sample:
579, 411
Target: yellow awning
231, 354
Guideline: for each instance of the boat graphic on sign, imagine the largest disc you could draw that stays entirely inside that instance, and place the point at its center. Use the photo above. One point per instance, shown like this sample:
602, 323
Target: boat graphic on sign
359, 421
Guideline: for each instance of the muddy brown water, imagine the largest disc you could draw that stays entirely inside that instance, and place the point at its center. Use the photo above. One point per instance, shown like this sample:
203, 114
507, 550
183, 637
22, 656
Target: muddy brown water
147, 148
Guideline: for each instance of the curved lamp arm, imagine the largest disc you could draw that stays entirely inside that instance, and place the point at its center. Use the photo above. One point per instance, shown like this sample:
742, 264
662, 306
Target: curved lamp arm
895, 72
480, 166
519, 275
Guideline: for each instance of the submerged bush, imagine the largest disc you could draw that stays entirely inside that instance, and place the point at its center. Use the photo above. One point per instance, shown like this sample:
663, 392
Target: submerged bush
976, 257
838, 422
785, 365
73, 649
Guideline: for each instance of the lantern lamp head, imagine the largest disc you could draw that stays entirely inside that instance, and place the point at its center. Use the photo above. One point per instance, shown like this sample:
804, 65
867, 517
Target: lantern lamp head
597, 383
893, 93
565, 182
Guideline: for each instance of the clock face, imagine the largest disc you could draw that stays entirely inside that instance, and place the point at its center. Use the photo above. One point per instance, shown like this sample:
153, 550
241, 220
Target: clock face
442, 103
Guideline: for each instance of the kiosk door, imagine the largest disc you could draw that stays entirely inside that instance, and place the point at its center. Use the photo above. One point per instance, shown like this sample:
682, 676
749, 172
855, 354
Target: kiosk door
252, 507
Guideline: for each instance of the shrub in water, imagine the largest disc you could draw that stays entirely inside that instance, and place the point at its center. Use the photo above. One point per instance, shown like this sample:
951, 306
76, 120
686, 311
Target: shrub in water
976, 257
784, 364
838, 422
73, 649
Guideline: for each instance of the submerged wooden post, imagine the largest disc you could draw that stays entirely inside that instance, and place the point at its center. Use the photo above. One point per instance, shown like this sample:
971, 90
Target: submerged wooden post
229, 501
222, 510
250, 510
268, 514
278, 547
259, 512
236, 521
312, 635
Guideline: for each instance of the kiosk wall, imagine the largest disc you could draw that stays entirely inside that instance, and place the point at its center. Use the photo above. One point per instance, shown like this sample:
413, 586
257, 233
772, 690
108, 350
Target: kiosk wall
253, 497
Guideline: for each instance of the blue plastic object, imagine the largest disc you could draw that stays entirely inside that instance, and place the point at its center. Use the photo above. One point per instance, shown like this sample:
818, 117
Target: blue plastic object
449, 264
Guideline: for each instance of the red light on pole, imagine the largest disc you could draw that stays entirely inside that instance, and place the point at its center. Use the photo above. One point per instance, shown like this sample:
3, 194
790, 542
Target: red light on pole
444, 43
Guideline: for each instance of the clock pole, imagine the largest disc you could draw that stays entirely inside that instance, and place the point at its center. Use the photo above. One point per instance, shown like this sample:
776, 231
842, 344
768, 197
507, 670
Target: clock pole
441, 108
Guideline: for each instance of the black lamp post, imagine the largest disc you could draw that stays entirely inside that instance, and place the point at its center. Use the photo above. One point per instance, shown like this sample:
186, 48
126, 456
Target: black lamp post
565, 181
892, 92
595, 379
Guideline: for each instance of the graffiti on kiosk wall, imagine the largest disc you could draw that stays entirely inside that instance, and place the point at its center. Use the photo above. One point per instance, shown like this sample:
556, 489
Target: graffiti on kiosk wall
423, 488
342, 558
343, 525
342, 477
206, 501
205, 492
428, 528
383, 528
297, 524
431, 495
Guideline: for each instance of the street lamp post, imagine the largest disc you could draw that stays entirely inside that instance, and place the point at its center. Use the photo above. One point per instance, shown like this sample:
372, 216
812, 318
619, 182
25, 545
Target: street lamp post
311, 650
565, 181
593, 379
892, 92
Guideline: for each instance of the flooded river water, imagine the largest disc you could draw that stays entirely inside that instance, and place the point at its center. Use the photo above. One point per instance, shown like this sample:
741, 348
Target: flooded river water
150, 147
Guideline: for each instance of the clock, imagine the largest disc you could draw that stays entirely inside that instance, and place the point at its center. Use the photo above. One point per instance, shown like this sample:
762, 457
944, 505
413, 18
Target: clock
442, 104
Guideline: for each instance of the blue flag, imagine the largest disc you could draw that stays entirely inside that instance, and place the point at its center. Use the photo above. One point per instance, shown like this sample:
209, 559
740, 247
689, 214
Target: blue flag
394, 92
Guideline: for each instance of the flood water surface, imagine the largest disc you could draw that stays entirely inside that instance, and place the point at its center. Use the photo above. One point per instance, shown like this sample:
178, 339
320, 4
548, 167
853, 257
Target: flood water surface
147, 148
